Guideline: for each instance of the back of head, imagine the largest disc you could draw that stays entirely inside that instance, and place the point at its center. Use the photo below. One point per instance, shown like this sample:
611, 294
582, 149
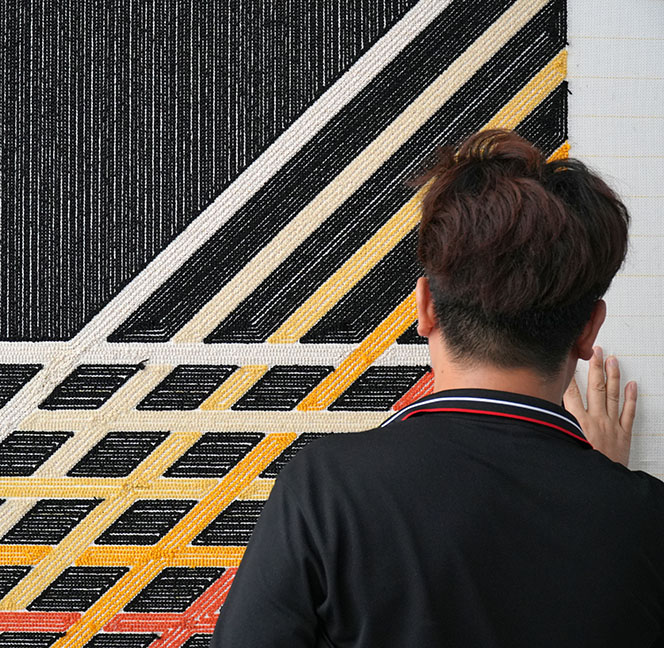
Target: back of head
517, 250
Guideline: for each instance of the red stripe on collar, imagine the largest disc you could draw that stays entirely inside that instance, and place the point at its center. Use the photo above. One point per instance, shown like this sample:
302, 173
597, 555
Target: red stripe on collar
490, 413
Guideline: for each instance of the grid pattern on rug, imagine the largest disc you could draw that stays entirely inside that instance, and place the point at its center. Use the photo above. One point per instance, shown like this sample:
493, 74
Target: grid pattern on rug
143, 431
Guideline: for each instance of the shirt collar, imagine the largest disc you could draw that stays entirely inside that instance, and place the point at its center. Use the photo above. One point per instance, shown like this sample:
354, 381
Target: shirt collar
495, 403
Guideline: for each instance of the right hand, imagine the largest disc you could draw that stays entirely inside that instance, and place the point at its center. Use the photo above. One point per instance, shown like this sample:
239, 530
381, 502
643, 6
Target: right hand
607, 429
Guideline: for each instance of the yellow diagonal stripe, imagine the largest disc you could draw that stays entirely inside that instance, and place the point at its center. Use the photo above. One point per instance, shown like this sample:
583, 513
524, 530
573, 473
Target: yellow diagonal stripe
360, 169
154, 559
350, 273
259, 489
234, 387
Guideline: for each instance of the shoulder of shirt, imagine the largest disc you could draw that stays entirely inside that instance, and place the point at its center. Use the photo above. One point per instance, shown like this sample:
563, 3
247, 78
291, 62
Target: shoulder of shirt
338, 450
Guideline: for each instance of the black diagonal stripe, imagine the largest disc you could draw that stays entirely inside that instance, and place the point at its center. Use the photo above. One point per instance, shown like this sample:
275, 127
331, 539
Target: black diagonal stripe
547, 124
372, 299
317, 257
315, 166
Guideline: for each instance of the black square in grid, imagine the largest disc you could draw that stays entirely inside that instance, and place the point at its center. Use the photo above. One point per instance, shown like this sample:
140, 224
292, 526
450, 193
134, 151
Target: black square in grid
275, 466
89, 386
282, 387
29, 639
198, 641
121, 640
186, 387
23, 451
145, 522
117, 454
49, 521
10, 576
233, 526
77, 588
174, 589
214, 454
13, 377
378, 388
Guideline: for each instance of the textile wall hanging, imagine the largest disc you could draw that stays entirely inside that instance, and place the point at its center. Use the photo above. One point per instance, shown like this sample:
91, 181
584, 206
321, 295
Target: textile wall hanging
208, 261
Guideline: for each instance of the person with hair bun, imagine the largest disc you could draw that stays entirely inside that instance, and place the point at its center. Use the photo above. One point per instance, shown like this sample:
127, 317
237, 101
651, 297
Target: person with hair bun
498, 510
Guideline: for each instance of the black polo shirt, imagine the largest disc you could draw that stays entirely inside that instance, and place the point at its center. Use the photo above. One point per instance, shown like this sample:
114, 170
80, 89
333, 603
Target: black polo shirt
469, 518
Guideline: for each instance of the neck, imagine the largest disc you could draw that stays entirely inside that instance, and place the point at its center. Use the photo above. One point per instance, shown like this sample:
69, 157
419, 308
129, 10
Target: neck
449, 374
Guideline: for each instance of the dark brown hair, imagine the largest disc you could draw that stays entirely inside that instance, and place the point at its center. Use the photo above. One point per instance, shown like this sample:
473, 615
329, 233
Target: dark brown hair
517, 250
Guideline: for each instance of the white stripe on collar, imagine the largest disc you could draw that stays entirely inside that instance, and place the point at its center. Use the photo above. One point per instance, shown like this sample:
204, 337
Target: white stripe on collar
480, 400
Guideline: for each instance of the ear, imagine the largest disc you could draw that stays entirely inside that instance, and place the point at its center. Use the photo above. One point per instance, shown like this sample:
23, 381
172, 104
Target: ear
584, 343
426, 315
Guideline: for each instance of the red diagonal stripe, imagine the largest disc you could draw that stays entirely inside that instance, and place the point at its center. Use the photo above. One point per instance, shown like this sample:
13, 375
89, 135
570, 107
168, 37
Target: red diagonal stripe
423, 387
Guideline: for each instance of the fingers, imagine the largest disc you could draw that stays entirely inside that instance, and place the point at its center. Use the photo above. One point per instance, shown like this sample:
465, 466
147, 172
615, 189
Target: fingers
596, 394
573, 401
612, 388
629, 407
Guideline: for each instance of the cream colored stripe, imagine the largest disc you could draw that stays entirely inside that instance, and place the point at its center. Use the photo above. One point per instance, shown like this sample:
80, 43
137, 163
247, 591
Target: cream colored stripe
99, 519
284, 148
255, 353
223, 421
358, 171
235, 387
350, 273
